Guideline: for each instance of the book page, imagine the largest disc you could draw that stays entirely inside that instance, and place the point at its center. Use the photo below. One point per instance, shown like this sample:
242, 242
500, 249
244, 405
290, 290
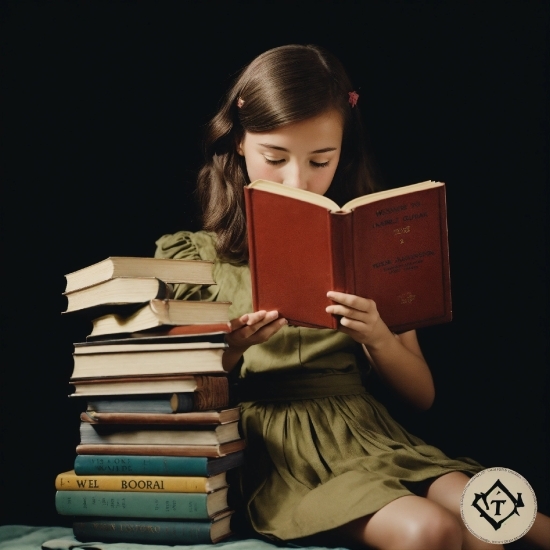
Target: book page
295, 193
387, 193
321, 200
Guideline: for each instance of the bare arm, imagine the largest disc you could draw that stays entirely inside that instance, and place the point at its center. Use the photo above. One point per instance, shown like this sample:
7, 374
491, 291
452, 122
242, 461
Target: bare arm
398, 360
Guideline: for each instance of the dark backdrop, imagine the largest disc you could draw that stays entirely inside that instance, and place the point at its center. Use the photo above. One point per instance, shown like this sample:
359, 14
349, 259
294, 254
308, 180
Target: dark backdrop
103, 108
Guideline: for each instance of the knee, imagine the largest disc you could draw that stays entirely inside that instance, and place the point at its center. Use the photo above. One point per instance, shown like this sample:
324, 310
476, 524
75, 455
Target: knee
439, 531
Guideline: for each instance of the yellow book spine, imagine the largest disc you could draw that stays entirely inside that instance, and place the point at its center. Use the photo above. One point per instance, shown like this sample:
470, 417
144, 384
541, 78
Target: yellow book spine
69, 481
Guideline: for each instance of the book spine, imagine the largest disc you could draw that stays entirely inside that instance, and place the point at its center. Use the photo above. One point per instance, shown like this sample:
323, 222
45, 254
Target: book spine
133, 405
162, 450
251, 245
341, 252
212, 393
343, 278
199, 329
167, 434
141, 465
68, 481
182, 402
145, 532
132, 505
348, 256
183, 420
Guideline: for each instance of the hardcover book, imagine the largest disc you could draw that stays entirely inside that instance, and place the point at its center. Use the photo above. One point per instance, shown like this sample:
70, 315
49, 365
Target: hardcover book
141, 504
153, 434
70, 481
213, 332
208, 388
140, 359
162, 313
154, 532
156, 465
156, 403
390, 246
221, 449
193, 418
168, 270
117, 293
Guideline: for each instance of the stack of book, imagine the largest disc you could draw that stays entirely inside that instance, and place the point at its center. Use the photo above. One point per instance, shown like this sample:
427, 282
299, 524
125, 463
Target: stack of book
160, 433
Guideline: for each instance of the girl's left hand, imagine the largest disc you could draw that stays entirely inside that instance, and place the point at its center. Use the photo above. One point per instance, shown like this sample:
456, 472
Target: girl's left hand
359, 318
397, 359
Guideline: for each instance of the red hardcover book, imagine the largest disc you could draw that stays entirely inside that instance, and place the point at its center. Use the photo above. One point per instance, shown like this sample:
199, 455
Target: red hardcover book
390, 246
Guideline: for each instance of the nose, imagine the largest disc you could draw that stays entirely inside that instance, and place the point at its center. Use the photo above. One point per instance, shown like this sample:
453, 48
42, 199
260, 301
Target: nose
295, 177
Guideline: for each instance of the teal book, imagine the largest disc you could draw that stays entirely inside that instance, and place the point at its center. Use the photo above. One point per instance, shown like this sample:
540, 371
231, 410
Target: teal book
154, 532
141, 505
156, 465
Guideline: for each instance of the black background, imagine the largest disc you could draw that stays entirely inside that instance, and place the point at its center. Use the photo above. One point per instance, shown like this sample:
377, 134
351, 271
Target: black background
102, 114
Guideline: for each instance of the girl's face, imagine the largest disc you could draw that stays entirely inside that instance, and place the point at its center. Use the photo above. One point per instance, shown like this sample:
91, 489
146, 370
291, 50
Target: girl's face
303, 154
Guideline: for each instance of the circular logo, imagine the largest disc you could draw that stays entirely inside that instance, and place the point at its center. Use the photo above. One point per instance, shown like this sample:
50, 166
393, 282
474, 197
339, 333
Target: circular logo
498, 506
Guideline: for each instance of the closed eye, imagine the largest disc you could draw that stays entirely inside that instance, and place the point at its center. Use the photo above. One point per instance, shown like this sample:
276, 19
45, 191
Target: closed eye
273, 162
319, 164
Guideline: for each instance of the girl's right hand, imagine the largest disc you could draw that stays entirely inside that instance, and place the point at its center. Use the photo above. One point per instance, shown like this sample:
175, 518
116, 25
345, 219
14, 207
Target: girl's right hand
248, 330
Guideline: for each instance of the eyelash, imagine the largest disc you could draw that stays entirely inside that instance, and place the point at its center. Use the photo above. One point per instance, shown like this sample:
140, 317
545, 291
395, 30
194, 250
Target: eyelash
280, 161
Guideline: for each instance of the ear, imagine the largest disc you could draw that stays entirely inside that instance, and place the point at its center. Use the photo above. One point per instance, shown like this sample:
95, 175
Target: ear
239, 140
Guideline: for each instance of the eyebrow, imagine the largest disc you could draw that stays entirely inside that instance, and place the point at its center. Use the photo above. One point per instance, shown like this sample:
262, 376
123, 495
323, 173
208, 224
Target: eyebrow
317, 151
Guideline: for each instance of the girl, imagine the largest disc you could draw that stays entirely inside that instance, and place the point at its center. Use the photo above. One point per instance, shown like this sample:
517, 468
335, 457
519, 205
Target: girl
324, 457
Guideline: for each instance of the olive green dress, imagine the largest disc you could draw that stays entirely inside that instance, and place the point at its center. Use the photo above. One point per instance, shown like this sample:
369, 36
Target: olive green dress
321, 451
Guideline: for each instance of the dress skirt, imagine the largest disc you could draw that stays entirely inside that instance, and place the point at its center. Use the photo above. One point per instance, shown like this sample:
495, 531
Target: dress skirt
317, 463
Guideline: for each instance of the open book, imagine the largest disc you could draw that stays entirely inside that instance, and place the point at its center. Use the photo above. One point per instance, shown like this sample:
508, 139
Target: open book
390, 246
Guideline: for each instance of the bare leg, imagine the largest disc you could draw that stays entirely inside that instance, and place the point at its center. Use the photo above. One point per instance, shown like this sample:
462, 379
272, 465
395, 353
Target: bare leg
447, 491
539, 534
408, 523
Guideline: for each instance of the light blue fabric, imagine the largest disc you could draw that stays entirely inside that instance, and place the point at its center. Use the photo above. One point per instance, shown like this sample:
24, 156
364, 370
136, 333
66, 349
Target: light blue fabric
25, 537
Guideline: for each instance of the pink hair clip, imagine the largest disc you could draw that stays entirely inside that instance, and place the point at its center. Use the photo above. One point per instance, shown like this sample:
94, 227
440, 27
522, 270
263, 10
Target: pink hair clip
240, 102
353, 97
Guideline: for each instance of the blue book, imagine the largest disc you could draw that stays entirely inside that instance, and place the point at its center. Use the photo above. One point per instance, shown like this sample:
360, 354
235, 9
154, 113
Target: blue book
154, 531
156, 465
160, 403
141, 505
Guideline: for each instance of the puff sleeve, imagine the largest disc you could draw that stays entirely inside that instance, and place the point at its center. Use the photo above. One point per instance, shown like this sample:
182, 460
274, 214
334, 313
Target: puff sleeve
187, 245
232, 281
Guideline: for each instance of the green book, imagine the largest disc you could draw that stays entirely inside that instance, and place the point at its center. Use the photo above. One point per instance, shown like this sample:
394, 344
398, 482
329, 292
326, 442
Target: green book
141, 505
156, 465
154, 531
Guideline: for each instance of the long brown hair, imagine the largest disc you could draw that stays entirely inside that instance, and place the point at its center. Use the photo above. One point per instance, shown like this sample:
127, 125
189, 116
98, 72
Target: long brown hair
281, 86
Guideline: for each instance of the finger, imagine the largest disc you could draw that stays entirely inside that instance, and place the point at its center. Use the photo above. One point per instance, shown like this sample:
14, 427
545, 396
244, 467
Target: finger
254, 323
255, 334
262, 318
353, 325
246, 319
267, 331
345, 311
239, 322
356, 302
